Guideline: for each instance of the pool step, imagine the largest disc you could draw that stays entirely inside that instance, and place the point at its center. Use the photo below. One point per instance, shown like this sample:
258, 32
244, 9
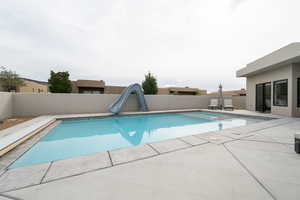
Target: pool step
16, 137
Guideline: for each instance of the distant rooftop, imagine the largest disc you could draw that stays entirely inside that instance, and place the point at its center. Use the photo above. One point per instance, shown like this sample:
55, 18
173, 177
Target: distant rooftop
241, 92
89, 83
185, 89
284, 56
40, 82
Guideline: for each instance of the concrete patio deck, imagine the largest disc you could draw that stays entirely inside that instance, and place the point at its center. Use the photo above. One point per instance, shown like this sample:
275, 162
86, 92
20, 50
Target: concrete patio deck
252, 162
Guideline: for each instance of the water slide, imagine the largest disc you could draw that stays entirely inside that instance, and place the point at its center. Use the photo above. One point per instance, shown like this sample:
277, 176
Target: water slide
117, 106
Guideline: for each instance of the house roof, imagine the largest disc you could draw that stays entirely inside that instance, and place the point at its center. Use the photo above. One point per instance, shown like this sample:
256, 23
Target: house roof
230, 92
182, 89
284, 56
90, 83
39, 82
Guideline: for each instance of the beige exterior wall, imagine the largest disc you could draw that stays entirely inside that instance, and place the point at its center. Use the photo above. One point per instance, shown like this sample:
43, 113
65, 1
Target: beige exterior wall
163, 91
26, 104
202, 92
271, 76
113, 89
29, 104
174, 102
167, 91
239, 102
6, 105
74, 87
296, 75
33, 87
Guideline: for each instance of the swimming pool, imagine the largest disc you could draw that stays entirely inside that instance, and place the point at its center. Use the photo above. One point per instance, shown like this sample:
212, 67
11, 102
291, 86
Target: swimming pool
73, 138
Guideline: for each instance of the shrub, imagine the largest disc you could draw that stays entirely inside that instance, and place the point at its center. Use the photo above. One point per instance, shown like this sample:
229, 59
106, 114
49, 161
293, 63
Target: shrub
149, 84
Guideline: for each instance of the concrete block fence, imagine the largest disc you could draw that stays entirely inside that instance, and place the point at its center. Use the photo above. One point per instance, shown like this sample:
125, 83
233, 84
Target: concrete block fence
35, 104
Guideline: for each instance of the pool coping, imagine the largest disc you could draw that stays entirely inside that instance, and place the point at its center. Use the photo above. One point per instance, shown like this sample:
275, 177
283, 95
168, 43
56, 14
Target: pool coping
14, 136
103, 115
159, 148
37, 126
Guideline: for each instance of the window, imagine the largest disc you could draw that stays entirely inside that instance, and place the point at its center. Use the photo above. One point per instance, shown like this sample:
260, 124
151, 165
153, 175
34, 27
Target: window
298, 92
91, 92
280, 93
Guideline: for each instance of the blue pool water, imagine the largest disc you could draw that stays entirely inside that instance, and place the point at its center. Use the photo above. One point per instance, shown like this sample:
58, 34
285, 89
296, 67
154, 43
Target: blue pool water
82, 137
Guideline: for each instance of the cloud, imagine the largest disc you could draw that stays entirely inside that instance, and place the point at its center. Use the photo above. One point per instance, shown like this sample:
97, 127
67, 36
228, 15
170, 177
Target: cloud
235, 4
185, 43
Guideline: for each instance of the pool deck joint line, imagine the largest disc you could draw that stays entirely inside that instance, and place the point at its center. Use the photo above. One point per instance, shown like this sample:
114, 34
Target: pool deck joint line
10, 197
89, 171
250, 173
158, 153
140, 159
111, 162
50, 165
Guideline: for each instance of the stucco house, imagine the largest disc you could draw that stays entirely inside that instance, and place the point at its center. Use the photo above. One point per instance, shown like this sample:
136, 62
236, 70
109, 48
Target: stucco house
31, 86
241, 92
95, 87
273, 82
181, 91
99, 87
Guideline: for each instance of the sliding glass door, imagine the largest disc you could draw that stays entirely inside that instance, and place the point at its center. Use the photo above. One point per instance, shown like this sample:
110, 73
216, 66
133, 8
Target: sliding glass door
267, 97
298, 92
259, 104
263, 97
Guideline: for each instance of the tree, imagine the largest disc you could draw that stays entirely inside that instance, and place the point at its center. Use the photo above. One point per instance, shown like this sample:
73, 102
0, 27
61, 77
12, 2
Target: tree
59, 82
149, 84
10, 80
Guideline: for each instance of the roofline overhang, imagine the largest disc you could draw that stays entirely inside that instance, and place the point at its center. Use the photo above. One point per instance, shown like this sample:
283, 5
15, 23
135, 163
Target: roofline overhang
287, 55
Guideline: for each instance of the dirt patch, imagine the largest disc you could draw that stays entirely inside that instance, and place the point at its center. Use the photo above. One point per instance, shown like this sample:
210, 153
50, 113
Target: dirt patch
6, 123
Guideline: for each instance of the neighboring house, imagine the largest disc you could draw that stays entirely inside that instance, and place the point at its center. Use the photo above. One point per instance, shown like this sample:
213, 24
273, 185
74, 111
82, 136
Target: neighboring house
273, 82
99, 87
32, 86
109, 89
88, 86
95, 87
181, 91
241, 92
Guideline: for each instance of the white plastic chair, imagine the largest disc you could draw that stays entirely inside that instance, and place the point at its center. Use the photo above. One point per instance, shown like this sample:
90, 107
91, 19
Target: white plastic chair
214, 104
228, 104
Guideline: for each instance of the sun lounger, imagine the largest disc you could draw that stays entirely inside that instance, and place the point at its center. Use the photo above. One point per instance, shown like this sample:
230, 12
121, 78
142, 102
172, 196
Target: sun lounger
228, 104
214, 104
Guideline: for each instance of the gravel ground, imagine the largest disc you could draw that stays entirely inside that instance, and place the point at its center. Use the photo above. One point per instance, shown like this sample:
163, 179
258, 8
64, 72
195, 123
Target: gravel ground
6, 123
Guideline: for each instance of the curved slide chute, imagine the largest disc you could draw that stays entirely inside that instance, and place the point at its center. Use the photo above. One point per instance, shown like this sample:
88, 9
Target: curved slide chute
117, 106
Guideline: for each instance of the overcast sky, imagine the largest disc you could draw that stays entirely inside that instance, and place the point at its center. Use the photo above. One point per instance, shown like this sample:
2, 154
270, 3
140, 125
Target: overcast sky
196, 43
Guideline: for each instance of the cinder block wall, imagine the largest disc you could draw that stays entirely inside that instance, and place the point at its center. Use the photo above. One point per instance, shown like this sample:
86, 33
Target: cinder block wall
34, 104
29, 104
6, 104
